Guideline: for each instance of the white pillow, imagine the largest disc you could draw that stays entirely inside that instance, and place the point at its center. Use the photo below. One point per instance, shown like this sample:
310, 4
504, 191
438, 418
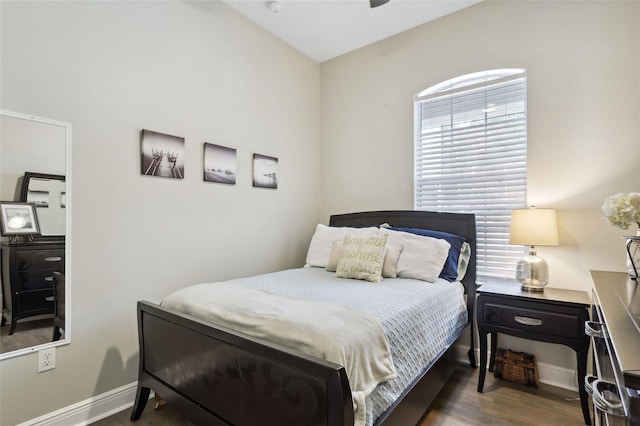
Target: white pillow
362, 258
334, 257
422, 258
389, 264
323, 238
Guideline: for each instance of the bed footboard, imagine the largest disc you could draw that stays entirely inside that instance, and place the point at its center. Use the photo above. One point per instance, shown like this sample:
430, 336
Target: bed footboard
217, 376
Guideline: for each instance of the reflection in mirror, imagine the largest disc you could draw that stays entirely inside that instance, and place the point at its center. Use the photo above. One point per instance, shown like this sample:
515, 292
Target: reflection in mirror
48, 193
34, 167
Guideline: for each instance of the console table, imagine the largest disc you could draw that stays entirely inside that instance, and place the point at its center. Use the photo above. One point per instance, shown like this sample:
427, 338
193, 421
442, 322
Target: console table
616, 349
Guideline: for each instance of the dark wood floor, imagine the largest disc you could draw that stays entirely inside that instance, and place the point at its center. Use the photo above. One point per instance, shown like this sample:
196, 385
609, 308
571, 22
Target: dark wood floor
502, 403
27, 334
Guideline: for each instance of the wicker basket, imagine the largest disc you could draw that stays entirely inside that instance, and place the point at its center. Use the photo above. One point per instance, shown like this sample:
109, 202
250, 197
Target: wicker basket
516, 367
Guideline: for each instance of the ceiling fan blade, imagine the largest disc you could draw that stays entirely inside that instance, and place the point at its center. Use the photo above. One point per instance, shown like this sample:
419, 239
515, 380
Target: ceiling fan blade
376, 3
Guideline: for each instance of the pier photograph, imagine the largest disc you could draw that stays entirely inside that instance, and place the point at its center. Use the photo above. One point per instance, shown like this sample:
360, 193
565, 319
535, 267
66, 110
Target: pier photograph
161, 155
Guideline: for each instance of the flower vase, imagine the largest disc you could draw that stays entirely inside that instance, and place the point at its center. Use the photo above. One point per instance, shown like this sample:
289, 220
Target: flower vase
633, 255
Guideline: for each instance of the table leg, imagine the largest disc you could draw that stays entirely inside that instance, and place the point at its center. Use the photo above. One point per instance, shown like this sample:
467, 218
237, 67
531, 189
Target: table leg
483, 360
142, 396
494, 350
472, 349
582, 372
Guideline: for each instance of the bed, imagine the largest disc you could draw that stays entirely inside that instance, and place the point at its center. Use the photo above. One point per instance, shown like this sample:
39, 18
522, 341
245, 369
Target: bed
217, 375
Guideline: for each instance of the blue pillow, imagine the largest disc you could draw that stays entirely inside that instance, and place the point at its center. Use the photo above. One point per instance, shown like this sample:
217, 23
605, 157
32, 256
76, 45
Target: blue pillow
450, 269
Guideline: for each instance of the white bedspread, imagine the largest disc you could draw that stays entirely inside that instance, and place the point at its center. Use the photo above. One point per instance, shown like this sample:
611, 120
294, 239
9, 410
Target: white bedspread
345, 336
420, 319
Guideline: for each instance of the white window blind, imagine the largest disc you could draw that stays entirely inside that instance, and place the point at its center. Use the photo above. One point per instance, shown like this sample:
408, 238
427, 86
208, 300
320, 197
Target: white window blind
471, 157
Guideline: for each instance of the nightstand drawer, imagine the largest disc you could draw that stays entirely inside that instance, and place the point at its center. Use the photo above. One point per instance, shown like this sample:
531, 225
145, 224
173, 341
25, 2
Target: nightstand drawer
26, 260
35, 302
532, 320
33, 280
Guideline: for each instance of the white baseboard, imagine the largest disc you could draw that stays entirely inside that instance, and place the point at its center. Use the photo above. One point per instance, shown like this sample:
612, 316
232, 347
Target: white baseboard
549, 374
90, 410
558, 376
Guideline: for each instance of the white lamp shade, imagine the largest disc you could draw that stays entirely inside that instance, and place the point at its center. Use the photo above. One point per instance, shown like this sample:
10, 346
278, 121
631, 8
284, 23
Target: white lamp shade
534, 227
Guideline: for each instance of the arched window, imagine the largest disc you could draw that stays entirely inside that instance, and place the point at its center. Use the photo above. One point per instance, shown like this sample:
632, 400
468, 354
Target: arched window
471, 157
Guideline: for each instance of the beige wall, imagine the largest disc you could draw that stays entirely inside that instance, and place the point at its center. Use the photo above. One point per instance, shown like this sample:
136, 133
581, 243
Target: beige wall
196, 70
582, 61
199, 70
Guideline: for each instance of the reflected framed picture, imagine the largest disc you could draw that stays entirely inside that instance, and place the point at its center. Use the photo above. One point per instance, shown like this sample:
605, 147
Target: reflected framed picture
44, 190
18, 218
39, 198
265, 171
161, 155
219, 164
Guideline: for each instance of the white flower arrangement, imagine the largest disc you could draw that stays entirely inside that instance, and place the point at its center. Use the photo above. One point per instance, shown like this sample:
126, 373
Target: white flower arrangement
623, 209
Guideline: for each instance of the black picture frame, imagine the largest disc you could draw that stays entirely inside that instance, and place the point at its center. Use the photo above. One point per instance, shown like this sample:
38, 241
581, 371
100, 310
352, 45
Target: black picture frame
26, 180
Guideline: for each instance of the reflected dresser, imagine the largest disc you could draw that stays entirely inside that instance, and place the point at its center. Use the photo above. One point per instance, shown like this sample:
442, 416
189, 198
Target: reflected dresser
27, 279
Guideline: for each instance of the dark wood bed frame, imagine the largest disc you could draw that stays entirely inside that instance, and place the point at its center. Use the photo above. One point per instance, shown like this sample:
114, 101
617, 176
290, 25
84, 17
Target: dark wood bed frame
216, 376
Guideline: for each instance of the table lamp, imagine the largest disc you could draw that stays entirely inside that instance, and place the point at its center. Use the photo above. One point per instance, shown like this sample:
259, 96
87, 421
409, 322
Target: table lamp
533, 227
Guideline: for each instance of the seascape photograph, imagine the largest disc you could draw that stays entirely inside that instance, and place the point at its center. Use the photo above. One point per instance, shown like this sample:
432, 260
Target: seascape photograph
265, 171
219, 164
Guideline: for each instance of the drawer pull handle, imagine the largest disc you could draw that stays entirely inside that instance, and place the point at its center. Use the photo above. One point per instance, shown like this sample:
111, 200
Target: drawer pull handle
593, 329
53, 259
588, 383
48, 278
606, 398
527, 320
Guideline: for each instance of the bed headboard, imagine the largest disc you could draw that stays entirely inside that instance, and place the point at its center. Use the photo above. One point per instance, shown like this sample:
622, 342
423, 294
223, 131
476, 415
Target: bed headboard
463, 224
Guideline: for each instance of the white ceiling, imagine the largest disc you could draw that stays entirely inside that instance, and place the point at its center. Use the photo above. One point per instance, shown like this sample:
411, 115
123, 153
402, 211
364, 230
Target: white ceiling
324, 29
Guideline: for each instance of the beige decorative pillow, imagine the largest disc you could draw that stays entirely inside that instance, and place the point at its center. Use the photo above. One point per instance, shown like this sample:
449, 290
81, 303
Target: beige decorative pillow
389, 264
362, 258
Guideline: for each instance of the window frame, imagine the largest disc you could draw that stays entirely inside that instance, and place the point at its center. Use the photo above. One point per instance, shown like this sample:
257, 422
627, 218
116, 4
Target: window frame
503, 140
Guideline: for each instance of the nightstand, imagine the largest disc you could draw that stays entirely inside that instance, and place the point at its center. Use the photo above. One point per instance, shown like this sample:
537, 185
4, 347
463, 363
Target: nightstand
553, 316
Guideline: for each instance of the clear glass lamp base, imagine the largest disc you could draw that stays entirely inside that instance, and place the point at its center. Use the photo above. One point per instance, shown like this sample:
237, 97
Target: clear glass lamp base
532, 273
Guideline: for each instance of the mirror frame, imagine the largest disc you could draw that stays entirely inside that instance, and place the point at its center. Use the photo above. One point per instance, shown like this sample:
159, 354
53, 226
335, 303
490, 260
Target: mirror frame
24, 193
67, 237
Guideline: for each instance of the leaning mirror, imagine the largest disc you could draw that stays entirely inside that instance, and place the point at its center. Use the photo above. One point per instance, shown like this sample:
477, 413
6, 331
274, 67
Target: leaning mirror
34, 272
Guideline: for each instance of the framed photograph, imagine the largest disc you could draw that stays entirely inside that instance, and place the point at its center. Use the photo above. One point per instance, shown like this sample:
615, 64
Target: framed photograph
219, 164
161, 155
18, 218
265, 171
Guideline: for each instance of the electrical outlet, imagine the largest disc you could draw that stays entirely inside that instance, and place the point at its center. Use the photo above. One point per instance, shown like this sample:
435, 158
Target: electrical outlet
46, 359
